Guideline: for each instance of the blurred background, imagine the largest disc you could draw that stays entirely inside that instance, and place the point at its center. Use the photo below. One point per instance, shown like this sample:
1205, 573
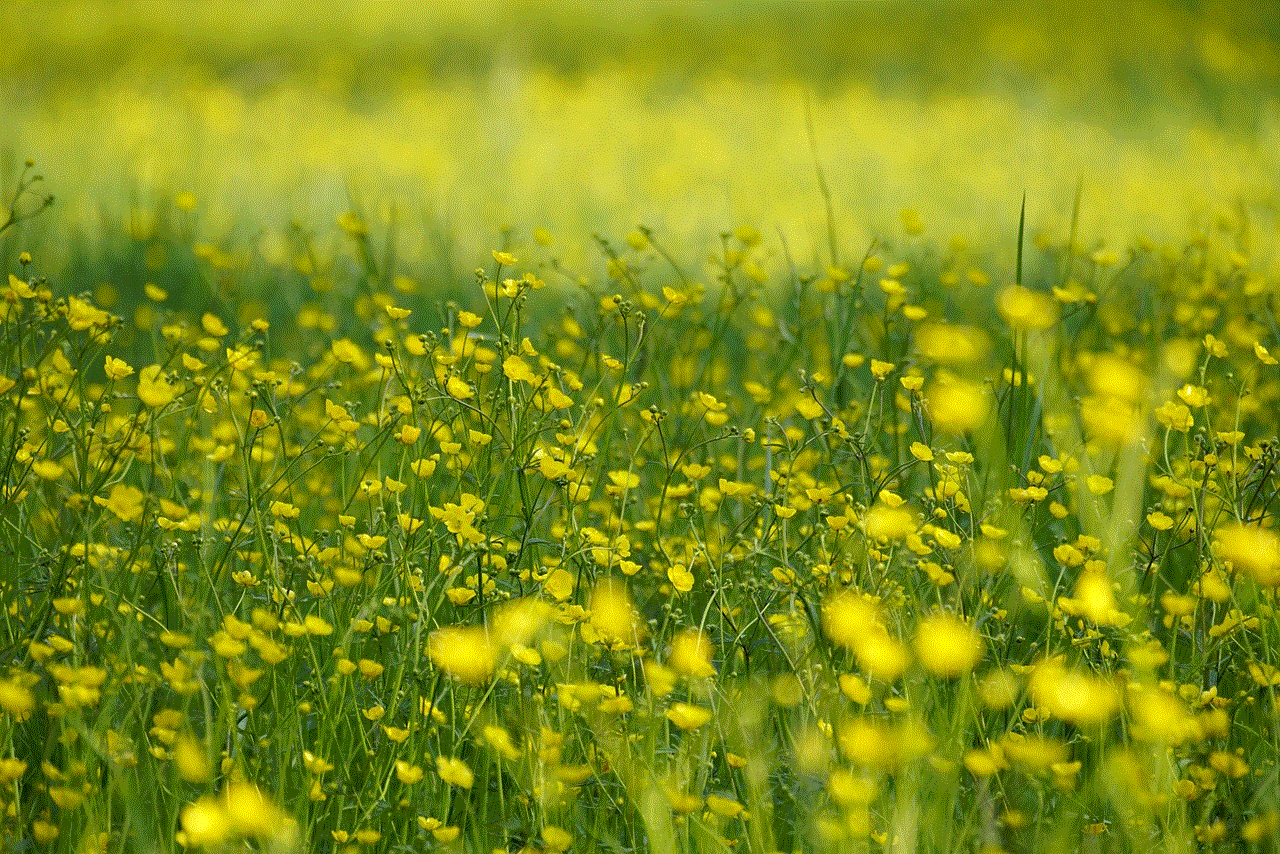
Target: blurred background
465, 126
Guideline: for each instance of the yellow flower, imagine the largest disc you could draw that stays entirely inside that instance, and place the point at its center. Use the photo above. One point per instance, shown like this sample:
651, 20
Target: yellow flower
16, 700
556, 838
446, 834
82, 315
213, 326
557, 399
680, 577
559, 585
126, 502
284, 510
1023, 308
948, 646
464, 652
686, 716
408, 773
347, 351
884, 522
316, 625
18, 289
956, 406
1193, 395
612, 613
1175, 416
205, 823
517, 369
117, 369
982, 763
883, 657
1099, 485
458, 388
848, 618
691, 654
500, 740
47, 469
454, 772
153, 389
808, 408
855, 688
1251, 548
1072, 696
191, 760
880, 369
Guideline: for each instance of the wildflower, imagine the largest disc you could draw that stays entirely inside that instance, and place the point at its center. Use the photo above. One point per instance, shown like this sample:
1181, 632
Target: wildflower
466, 653
680, 577
1251, 548
612, 614
1175, 416
1194, 396
47, 469
1099, 485
559, 585
191, 760
947, 646
500, 740
1023, 308
1072, 696
882, 657
316, 625
956, 406
347, 351
881, 745
686, 716
205, 823
1159, 716
458, 388
82, 315
408, 773
556, 838
848, 618
951, 344
154, 390
855, 688
517, 370
213, 326
241, 810
16, 699
809, 408
984, 763
885, 522
126, 502
455, 772
117, 369
691, 654
284, 510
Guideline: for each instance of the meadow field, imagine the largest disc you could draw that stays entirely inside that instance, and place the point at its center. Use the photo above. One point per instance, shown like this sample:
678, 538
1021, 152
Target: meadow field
743, 427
